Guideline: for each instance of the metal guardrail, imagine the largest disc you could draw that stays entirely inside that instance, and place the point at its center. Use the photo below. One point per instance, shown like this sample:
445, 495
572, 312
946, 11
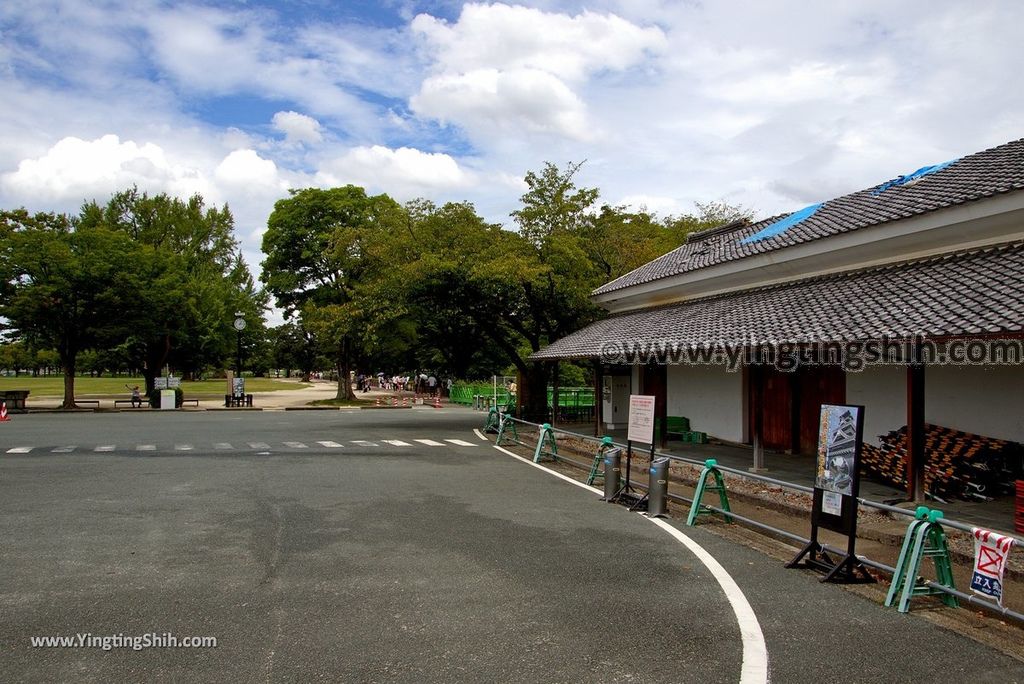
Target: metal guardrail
946, 522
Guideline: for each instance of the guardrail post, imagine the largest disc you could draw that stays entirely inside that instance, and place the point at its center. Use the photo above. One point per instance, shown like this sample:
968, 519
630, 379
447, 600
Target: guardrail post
925, 539
505, 426
657, 491
696, 509
606, 443
546, 435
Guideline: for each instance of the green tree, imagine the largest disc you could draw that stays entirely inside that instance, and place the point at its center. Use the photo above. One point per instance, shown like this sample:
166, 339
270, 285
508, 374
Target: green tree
325, 250
65, 286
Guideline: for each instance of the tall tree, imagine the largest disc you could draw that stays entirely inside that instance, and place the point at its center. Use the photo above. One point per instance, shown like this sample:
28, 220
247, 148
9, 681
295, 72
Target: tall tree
324, 249
66, 285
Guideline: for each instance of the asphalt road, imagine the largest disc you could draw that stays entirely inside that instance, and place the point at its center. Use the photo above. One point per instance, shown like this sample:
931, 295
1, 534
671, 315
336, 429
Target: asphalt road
334, 546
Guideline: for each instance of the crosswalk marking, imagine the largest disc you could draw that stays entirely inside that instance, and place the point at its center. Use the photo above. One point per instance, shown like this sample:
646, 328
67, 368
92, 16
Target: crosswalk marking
258, 446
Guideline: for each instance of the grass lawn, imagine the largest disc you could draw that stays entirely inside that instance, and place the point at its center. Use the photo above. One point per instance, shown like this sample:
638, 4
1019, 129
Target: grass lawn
53, 385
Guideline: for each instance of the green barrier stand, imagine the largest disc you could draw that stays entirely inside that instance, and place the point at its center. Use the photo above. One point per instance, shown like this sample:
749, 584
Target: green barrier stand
506, 427
925, 539
696, 509
606, 443
920, 518
547, 436
493, 420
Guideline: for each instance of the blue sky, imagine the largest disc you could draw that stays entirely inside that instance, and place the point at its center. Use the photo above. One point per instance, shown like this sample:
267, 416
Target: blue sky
772, 105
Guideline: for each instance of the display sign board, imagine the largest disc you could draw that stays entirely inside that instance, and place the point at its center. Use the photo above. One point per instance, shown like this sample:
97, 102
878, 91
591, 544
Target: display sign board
160, 383
641, 419
991, 550
238, 386
173, 383
836, 487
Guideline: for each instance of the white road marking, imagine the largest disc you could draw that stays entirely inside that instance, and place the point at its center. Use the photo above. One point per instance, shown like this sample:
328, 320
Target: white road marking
459, 442
106, 447
259, 445
63, 450
363, 442
396, 442
183, 447
20, 450
331, 445
146, 447
481, 435
754, 669
223, 446
295, 445
428, 442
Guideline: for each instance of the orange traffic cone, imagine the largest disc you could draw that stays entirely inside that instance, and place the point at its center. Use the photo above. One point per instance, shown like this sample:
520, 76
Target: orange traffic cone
405, 402
437, 401
3, 412
377, 401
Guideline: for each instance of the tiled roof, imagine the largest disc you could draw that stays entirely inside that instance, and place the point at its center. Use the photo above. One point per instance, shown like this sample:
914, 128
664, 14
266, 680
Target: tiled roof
958, 295
994, 171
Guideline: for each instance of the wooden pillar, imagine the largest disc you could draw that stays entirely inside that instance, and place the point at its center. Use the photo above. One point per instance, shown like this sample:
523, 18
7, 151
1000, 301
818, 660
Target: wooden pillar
914, 466
756, 379
554, 392
598, 397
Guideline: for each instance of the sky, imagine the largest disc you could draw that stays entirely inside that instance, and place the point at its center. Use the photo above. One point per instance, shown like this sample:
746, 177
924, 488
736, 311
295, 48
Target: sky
770, 105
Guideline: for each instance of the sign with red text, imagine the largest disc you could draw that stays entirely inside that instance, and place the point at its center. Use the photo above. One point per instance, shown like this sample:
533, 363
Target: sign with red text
641, 419
990, 553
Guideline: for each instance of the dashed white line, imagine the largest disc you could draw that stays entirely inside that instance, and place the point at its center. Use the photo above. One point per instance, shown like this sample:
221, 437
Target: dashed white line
63, 450
20, 450
460, 442
106, 447
222, 446
364, 442
428, 442
331, 445
146, 447
295, 445
183, 447
396, 442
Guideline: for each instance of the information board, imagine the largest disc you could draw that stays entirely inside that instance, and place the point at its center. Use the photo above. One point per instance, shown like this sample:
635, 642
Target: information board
641, 419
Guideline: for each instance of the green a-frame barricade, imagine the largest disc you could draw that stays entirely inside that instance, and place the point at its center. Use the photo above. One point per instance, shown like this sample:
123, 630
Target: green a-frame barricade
595, 472
546, 445
696, 508
925, 539
506, 427
493, 422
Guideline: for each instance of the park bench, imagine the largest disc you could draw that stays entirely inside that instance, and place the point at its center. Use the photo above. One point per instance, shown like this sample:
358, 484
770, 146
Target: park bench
127, 402
231, 400
15, 400
94, 402
193, 402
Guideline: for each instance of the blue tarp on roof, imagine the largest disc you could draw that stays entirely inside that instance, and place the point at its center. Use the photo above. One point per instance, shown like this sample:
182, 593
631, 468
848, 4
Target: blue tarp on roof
784, 224
920, 173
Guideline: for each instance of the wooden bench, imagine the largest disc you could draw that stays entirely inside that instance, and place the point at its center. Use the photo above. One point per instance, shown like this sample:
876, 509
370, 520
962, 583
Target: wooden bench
94, 402
128, 402
194, 402
236, 400
15, 400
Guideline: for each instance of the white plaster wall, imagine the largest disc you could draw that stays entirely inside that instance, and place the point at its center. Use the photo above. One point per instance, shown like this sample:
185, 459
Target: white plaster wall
711, 397
984, 400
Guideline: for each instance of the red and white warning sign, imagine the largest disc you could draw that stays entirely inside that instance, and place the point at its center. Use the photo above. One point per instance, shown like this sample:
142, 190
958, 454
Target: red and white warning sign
990, 553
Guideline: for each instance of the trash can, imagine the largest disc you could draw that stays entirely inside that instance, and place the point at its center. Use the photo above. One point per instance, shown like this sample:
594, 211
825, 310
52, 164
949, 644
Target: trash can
657, 494
612, 469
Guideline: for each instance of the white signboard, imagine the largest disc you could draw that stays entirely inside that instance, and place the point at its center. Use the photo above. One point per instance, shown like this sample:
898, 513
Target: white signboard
160, 382
641, 419
173, 383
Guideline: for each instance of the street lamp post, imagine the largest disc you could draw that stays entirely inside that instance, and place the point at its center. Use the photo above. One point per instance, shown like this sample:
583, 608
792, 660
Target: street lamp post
239, 327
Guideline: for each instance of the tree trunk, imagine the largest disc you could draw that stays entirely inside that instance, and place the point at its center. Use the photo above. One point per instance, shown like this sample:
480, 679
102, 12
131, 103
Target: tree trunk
533, 392
69, 384
344, 368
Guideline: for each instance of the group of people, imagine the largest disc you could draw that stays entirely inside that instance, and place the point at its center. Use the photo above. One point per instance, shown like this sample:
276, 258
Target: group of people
421, 384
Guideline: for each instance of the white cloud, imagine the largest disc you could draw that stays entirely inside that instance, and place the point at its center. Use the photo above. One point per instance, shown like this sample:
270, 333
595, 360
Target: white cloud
505, 69
298, 128
245, 168
76, 169
403, 172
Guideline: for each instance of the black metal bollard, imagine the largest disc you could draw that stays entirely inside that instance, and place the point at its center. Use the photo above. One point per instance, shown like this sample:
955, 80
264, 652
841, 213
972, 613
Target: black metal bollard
657, 494
612, 469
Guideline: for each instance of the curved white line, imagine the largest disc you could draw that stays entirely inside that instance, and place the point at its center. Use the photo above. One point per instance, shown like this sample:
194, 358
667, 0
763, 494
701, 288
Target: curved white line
754, 669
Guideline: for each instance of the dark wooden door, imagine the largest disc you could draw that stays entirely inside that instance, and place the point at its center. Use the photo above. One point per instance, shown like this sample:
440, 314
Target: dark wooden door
771, 400
817, 385
654, 382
